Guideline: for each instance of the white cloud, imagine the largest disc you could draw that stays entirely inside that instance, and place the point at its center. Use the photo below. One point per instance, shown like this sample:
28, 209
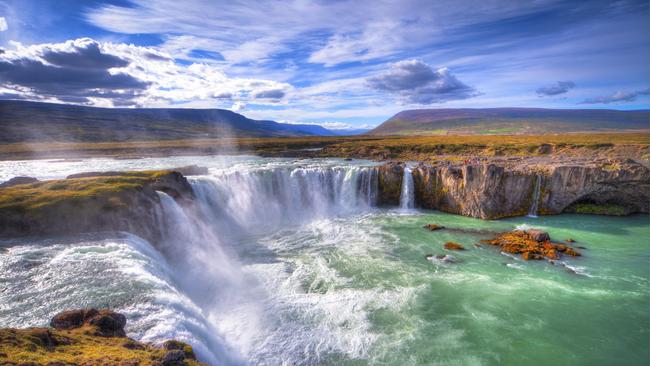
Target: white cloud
3, 24
100, 73
238, 107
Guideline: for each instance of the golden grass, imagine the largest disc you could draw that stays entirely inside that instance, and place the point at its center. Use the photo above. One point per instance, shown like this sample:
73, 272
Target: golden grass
341, 145
24, 346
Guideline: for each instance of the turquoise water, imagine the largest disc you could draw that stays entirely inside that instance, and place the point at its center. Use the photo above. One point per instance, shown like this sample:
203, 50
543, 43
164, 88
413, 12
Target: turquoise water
488, 308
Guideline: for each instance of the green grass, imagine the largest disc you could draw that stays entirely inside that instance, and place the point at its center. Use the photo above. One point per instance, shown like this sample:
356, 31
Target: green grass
37, 195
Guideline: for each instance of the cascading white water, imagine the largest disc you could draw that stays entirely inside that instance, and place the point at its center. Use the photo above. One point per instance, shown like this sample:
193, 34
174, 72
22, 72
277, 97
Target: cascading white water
268, 198
532, 211
234, 205
192, 286
407, 196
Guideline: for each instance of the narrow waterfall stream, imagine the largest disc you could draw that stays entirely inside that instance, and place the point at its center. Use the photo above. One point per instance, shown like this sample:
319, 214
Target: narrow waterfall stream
407, 196
532, 212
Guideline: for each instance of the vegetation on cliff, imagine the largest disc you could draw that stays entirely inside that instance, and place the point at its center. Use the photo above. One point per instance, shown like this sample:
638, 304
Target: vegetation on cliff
31, 196
89, 202
87, 337
598, 209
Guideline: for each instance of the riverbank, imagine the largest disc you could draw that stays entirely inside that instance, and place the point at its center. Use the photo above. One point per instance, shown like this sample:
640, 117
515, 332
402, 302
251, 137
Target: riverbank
410, 148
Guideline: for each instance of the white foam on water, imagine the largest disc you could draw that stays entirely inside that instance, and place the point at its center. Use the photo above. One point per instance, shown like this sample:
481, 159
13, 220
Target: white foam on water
121, 272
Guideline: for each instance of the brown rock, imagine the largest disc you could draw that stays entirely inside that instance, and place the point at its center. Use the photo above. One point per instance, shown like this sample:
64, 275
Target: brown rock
522, 242
433, 227
174, 358
72, 318
450, 245
106, 322
572, 252
538, 235
178, 345
109, 323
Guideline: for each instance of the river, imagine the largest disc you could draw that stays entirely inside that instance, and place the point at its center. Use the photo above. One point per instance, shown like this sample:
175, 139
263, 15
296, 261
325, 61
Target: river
290, 262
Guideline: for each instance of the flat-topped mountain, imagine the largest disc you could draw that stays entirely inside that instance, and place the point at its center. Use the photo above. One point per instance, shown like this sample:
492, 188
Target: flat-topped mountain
22, 121
511, 121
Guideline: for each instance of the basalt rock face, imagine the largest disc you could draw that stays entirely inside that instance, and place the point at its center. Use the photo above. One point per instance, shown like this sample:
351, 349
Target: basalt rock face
90, 203
627, 186
484, 191
390, 184
490, 191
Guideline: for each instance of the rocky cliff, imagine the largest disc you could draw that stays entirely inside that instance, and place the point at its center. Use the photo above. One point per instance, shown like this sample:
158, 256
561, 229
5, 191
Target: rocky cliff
118, 201
90, 202
489, 190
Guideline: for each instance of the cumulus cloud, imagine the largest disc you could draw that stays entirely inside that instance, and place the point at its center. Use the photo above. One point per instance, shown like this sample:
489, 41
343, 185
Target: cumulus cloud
71, 72
415, 82
3, 24
560, 87
619, 96
86, 71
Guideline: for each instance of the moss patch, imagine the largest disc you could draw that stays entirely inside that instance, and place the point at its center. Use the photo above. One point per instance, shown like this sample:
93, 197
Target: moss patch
32, 196
76, 347
599, 209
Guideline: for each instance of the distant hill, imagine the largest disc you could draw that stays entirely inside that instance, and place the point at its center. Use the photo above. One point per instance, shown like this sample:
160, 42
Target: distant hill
511, 121
22, 121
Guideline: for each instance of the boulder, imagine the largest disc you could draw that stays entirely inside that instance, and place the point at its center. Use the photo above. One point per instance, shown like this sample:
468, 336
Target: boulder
178, 345
72, 318
524, 243
109, 323
433, 227
106, 322
538, 235
450, 245
174, 358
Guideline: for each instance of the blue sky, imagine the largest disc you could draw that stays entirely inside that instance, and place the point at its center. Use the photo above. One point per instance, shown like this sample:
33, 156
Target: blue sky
337, 63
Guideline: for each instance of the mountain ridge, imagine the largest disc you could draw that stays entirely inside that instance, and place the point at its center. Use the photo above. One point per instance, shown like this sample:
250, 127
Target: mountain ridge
511, 121
25, 121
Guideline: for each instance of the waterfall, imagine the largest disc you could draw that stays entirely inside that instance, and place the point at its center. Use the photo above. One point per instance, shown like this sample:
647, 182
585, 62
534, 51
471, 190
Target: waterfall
200, 239
269, 198
532, 212
407, 197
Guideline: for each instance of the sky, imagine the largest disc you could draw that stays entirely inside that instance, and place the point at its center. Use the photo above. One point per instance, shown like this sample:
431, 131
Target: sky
341, 64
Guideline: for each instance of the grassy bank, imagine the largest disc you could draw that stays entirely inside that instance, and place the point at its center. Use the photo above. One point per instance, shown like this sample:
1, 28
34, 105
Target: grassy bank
422, 148
26, 197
